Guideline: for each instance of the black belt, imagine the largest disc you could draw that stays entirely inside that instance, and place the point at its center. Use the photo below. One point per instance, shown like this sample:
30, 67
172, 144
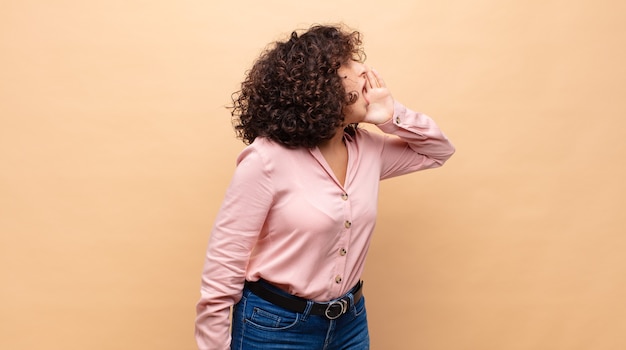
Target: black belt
331, 309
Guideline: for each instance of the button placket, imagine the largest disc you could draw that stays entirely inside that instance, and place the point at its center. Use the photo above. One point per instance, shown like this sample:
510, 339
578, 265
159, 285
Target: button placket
343, 243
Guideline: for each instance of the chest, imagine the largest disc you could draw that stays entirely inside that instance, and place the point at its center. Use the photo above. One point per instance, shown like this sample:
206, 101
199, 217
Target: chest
337, 162
311, 197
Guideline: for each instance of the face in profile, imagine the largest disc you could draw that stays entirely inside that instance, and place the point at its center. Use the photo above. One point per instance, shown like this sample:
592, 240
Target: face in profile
354, 80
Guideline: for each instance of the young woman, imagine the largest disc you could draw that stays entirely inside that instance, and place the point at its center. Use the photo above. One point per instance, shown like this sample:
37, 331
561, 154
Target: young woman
289, 243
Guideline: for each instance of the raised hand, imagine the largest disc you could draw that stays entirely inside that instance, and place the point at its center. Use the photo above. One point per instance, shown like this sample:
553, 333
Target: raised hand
380, 102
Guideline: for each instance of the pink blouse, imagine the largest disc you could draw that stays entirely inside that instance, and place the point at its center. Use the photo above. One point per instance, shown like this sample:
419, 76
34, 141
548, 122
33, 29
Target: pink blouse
287, 219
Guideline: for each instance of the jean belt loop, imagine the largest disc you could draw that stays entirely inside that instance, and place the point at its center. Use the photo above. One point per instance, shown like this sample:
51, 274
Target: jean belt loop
307, 310
351, 297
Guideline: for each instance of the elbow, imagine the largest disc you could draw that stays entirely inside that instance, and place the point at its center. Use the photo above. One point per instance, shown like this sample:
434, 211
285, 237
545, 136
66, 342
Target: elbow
451, 150
443, 157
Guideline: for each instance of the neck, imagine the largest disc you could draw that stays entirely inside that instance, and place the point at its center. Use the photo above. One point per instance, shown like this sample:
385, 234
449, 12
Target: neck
335, 142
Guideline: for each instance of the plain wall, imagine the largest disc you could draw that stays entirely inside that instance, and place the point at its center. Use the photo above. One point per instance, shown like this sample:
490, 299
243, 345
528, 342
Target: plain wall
116, 149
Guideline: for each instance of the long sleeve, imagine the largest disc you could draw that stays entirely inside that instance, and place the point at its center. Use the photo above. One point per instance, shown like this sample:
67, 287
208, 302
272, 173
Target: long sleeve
415, 143
237, 226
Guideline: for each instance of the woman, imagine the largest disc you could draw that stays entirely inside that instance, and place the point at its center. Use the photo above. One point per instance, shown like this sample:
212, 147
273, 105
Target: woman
289, 243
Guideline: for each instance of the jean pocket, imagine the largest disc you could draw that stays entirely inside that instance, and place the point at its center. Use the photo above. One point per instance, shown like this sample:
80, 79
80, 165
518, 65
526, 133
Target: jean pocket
265, 315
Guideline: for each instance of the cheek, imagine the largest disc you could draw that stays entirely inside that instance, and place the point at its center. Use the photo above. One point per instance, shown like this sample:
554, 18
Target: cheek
354, 113
349, 82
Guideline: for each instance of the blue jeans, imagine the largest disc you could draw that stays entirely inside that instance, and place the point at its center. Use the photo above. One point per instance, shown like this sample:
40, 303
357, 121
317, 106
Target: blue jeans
259, 324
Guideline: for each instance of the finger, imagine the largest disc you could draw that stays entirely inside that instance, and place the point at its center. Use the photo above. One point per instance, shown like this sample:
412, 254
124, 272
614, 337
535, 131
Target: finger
372, 79
369, 82
379, 79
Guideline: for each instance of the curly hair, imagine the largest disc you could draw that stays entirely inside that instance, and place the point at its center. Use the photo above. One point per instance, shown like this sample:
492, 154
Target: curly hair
293, 94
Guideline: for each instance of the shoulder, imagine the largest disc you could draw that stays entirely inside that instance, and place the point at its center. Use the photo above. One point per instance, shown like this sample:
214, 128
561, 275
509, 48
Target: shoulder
268, 152
365, 137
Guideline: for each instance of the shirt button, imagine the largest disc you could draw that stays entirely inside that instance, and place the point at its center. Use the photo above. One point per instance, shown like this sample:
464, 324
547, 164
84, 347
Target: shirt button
397, 120
338, 279
343, 251
347, 224
344, 196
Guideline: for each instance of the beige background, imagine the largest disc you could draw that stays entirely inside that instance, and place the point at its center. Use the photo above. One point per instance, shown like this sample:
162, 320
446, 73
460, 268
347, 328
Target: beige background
116, 150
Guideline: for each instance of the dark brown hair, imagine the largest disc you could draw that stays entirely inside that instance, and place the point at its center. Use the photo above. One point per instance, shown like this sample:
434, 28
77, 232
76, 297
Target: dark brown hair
293, 94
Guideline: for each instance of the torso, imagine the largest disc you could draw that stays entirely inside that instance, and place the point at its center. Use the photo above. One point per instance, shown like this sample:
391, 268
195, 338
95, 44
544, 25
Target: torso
313, 216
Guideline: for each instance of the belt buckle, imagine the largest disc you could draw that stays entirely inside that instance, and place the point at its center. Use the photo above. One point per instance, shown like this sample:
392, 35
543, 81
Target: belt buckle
336, 309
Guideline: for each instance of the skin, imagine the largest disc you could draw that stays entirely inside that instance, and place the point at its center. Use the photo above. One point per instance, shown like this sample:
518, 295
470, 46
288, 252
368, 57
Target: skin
374, 105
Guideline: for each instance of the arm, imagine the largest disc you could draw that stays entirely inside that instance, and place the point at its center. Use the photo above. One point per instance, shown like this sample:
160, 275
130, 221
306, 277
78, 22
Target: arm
234, 234
415, 143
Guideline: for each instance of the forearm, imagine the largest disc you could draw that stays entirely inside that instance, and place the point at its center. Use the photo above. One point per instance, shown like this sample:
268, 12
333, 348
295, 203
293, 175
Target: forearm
420, 132
414, 142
